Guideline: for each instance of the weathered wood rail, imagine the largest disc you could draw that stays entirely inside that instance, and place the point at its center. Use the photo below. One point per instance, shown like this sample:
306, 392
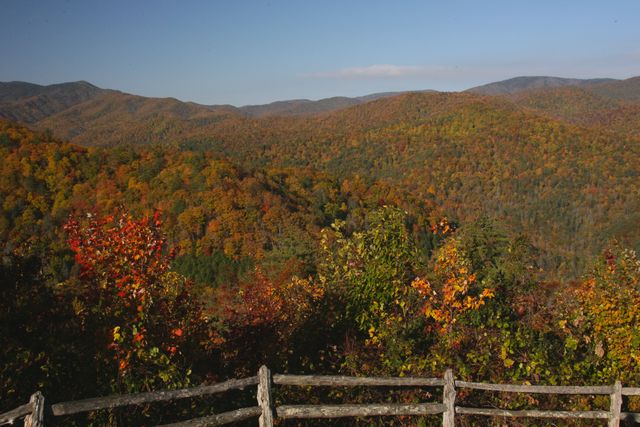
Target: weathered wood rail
266, 411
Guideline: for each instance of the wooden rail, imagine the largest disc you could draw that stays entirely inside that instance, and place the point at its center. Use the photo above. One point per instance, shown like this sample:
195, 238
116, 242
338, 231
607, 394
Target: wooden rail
532, 413
16, 414
340, 381
266, 411
362, 410
108, 402
545, 389
220, 419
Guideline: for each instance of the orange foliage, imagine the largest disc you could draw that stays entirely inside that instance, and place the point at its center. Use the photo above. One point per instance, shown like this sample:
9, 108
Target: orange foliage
454, 296
282, 301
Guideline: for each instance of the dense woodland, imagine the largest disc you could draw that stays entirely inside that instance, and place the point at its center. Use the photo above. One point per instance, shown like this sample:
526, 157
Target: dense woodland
492, 235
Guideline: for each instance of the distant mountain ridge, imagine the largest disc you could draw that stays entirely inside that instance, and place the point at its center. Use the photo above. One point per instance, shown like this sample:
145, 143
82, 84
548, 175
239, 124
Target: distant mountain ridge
519, 84
307, 106
30, 103
88, 115
10, 91
623, 90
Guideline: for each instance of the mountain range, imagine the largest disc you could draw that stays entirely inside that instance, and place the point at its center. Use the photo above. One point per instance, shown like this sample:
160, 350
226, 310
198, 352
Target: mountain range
522, 83
88, 115
30, 103
555, 159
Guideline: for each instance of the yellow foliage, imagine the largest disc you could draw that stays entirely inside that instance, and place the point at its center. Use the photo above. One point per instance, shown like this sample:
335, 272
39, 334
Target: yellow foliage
453, 298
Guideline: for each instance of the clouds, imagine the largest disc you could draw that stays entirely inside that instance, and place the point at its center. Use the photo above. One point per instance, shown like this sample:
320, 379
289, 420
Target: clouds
409, 72
380, 71
466, 74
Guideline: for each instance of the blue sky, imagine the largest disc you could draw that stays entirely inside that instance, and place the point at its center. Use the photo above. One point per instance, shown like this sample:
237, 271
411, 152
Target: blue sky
251, 52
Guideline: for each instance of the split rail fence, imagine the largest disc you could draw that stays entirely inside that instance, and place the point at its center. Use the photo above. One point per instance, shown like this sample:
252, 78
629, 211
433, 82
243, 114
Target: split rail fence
36, 412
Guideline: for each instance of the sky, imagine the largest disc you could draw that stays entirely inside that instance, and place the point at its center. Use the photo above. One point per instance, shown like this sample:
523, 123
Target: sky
243, 52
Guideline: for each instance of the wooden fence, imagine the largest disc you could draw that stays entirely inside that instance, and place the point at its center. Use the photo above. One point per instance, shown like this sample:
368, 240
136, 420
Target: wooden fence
36, 413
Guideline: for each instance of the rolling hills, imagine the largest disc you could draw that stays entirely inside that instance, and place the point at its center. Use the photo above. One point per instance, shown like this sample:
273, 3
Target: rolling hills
29, 103
559, 164
88, 115
523, 83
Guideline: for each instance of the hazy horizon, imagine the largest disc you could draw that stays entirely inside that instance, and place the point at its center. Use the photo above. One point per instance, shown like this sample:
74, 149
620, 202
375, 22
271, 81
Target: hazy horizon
296, 99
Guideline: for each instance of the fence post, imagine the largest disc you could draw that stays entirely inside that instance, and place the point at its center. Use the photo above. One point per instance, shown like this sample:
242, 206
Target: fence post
264, 397
448, 400
36, 418
616, 405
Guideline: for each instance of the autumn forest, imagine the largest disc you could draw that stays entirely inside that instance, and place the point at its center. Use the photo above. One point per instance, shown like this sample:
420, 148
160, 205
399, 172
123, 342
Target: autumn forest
152, 244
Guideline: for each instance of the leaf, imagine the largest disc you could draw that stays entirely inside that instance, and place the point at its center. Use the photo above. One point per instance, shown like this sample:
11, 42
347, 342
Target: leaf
599, 350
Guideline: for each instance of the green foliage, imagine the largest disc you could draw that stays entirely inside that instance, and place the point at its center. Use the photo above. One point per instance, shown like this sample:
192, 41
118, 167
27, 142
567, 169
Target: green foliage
210, 270
369, 271
504, 264
372, 267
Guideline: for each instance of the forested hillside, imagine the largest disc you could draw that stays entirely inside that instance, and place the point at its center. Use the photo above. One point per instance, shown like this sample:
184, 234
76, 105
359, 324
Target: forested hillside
169, 243
29, 103
525, 83
558, 164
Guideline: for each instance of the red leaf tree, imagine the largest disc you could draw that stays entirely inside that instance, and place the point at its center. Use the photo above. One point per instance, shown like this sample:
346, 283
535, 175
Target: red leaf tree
144, 317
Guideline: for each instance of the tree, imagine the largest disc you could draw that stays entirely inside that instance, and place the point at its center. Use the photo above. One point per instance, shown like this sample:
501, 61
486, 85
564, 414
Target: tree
143, 316
369, 273
458, 290
372, 267
271, 321
605, 322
